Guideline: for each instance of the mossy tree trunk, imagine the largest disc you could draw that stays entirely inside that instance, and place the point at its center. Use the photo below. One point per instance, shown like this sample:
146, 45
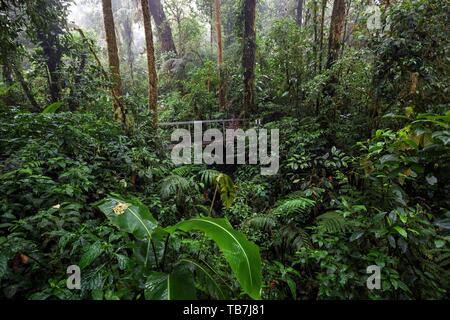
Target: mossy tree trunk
119, 109
152, 77
249, 57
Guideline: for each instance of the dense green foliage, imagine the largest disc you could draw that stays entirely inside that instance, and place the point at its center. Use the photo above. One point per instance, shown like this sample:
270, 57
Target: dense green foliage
364, 173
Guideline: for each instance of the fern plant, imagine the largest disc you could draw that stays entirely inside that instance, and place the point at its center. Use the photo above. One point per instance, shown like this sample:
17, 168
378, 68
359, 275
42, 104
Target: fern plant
175, 186
333, 222
294, 206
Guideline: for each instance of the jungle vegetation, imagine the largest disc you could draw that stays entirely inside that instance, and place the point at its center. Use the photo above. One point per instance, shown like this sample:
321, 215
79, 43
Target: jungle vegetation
358, 89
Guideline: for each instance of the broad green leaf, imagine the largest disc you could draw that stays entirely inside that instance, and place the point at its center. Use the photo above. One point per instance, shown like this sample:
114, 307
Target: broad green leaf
208, 276
401, 231
242, 255
149, 252
52, 108
130, 216
89, 256
178, 285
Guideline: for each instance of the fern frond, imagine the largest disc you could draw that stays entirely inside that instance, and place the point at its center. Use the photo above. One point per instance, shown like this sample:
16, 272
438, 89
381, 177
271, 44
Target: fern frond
174, 186
295, 237
263, 222
298, 206
34, 164
208, 176
333, 222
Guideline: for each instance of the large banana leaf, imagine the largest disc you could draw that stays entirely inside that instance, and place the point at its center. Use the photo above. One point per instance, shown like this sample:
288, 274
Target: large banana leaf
178, 285
130, 216
207, 277
242, 255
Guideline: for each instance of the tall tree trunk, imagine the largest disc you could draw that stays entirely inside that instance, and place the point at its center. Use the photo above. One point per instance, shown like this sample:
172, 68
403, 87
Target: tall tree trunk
211, 37
211, 21
152, 78
51, 47
219, 52
336, 30
344, 36
249, 56
316, 32
322, 23
119, 110
162, 25
299, 17
334, 47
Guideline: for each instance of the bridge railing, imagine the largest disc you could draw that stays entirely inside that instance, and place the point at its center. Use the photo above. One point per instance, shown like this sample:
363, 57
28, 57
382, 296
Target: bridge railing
207, 124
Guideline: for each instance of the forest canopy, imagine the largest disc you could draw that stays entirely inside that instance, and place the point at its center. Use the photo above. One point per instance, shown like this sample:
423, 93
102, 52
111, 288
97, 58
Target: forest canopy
346, 101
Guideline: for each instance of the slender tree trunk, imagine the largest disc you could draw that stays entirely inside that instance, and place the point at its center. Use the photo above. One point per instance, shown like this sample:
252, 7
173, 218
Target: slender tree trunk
344, 36
51, 47
211, 43
152, 77
322, 23
211, 38
26, 89
219, 52
299, 17
119, 110
334, 46
162, 25
315, 45
336, 30
249, 56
